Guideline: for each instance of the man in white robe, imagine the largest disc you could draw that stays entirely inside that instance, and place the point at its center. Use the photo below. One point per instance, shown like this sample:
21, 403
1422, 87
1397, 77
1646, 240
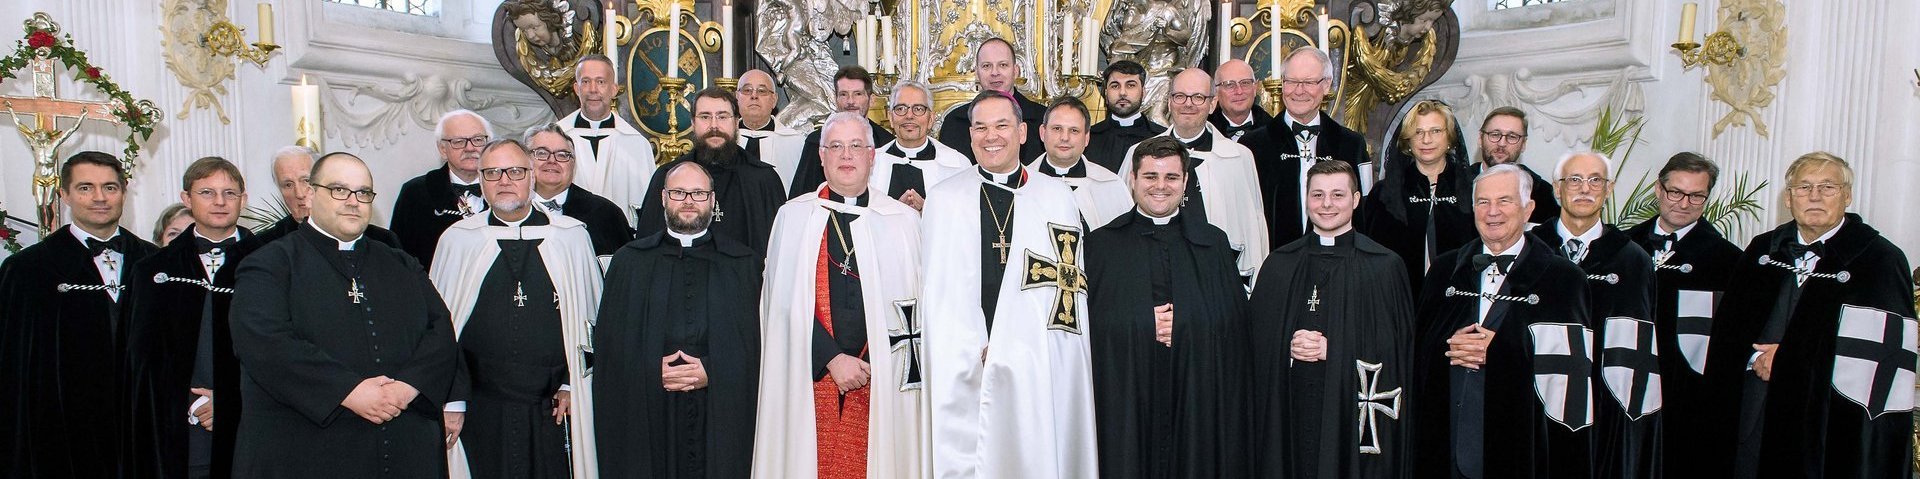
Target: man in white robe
840, 382
912, 163
761, 134
1006, 328
1099, 193
614, 159
474, 259
1228, 188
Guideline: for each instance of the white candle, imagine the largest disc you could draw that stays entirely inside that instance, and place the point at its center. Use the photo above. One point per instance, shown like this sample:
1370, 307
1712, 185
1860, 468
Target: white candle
673, 39
1089, 45
1226, 32
1067, 42
306, 110
1273, 40
889, 46
865, 35
726, 39
1686, 22
266, 23
610, 43
1324, 26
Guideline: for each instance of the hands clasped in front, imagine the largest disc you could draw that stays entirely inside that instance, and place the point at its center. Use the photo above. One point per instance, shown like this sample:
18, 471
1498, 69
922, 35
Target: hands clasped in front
1308, 346
1468, 346
848, 372
380, 399
691, 374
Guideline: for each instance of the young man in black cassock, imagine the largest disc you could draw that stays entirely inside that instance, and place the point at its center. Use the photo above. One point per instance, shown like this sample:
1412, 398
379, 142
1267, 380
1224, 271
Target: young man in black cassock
431, 202
747, 192
179, 352
1627, 412
1170, 356
62, 305
1422, 208
678, 355
291, 167
554, 191
1813, 348
1285, 149
1123, 89
1692, 265
346, 351
1503, 350
1340, 304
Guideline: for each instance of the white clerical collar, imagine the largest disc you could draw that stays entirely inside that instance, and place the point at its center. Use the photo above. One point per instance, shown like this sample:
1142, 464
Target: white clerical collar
1330, 240
1162, 221
231, 235
686, 240
455, 177
1511, 250
1060, 170
913, 151
1677, 234
1126, 121
605, 119
1824, 236
1313, 122
559, 198
999, 178
510, 224
1176, 135
344, 245
83, 235
1586, 238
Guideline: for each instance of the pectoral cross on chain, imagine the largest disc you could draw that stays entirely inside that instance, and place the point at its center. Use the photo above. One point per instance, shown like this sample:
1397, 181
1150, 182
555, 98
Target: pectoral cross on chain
1002, 245
717, 214
108, 259
519, 296
1313, 303
355, 294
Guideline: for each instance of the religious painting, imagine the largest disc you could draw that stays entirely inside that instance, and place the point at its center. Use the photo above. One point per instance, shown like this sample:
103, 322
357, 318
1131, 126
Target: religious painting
538, 41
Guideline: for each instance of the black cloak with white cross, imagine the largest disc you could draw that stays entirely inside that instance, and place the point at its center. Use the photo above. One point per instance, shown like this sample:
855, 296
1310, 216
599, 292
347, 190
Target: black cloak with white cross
1691, 276
1627, 380
1840, 399
1536, 387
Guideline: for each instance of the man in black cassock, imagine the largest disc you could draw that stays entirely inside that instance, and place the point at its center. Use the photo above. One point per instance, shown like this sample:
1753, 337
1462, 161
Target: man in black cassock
678, 355
1813, 348
995, 70
1503, 137
555, 192
1123, 87
747, 192
61, 309
1692, 264
1627, 411
1170, 355
179, 352
852, 92
1422, 208
291, 165
1339, 303
431, 202
1284, 150
1502, 350
346, 351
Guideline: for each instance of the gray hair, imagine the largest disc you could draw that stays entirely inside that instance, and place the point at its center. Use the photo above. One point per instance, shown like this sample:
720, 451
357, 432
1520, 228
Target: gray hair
1560, 168
857, 118
290, 152
1326, 62
1520, 178
894, 98
440, 127
544, 128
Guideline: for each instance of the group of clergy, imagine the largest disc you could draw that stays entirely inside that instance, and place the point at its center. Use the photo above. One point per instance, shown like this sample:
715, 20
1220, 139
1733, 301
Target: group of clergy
1028, 294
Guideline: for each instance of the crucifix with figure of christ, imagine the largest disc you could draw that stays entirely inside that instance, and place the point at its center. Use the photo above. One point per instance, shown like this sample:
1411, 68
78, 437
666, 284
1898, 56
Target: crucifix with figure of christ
44, 136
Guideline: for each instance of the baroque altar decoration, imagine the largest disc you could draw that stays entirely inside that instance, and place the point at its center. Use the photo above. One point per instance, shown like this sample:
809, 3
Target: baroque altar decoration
538, 42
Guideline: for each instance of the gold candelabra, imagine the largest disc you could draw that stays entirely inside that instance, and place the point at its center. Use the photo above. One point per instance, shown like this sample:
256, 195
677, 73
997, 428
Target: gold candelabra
673, 142
728, 84
1721, 49
224, 39
1086, 87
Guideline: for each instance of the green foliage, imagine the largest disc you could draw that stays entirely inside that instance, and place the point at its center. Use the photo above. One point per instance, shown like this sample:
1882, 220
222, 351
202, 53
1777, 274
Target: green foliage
1724, 210
264, 216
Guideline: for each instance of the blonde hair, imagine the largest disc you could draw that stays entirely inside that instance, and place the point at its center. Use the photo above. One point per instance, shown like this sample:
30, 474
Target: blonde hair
1423, 108
1815, 161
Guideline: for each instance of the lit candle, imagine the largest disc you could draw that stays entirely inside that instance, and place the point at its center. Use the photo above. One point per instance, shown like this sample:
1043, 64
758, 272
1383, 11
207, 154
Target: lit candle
266, 23
1324, 26
1273, 40
306, 111
1089, 45
1686, 21
673, 39
726, 38
1226, 31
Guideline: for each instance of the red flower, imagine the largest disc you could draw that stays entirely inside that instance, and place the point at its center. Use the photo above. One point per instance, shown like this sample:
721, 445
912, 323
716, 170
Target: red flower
93, 72
40, 40
6, 234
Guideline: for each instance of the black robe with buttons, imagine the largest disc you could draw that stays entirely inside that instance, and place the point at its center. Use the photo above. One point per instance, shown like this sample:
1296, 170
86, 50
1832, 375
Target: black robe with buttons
1626, 434
304, 345
513, 361
662, 298
1108, 142
163, 339
60, 358
1702, 263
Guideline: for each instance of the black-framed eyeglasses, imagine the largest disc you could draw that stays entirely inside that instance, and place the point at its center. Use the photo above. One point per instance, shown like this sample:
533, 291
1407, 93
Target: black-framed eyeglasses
1505, 137
1678, 196
516, 173
543, 154
684, 195
1188, 99
465, 142
342, 193
910, 110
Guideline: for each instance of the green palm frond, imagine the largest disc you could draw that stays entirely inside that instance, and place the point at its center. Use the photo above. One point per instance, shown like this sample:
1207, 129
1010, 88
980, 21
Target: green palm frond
1725, 211
263, 216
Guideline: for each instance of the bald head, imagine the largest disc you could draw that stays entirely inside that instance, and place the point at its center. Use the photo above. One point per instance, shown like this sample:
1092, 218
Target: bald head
1237, 88
1190, 98
757, 98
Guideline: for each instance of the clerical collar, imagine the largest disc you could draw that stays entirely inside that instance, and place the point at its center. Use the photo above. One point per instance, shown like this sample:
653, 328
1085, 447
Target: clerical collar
912, 153
860, 201
1159, 221
83, 235
1587, 238
1658, 229
1513, 251
686, 240
1335, 239
1314, 122
455, 178
581, 121
1011, 179
1201, 142
344, 245
534, 218
1125, 121
1077, 170
768, 126
1824, 236
560, 198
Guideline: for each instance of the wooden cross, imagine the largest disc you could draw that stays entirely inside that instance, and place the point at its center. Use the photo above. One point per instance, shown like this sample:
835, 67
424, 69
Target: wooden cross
1063, 275
44, 137
355, 294
1313, 303
519, 296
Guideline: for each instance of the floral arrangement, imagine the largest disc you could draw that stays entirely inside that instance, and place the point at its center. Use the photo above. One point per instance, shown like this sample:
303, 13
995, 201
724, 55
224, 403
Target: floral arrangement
44, 40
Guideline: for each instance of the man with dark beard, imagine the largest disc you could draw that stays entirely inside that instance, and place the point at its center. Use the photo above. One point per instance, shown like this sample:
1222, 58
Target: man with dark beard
678, 350
1503, 135
747, 191
1124, 87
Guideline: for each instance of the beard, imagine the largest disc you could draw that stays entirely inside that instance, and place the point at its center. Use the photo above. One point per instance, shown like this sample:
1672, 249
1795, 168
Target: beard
725, 154
1128, 111
697, 224
1486, 157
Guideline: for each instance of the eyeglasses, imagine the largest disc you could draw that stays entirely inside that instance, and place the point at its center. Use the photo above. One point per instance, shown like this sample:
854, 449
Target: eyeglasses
684, 195
209, 193
714, 117
342, 192
838, 149
516, 173
910, 110
756, 91
1235, 85
1593, 182
1421, 134
1503, 136
560, 156
1188, 99
1293, 83
465, 142
1678, 196
1825, 189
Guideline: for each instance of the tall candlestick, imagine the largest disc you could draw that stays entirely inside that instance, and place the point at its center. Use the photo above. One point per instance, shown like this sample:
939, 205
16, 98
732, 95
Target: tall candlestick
1089, 45
1273, 40
1324, 26
266, 23
1226, 32
1686, 22
726, 39
673, 39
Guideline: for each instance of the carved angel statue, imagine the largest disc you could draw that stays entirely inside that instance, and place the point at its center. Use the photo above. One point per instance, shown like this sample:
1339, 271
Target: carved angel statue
546, 26
1162, 35
793, 39
1394, 60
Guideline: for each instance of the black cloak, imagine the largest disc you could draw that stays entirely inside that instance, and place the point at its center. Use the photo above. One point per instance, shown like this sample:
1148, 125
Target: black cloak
1396, 213
171, 292
1280, 178
427, 205
1699, 268
1108, 142
1627, 437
